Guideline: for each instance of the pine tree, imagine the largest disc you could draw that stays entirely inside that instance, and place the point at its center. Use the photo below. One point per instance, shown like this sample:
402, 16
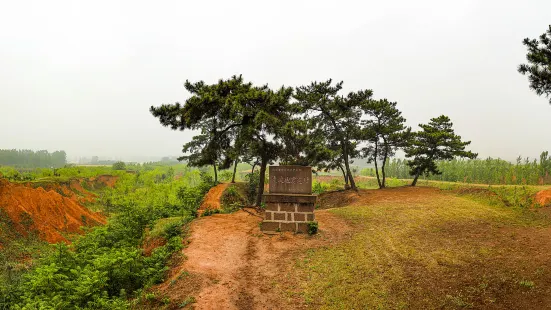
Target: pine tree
385, 131
538, 68
436, 141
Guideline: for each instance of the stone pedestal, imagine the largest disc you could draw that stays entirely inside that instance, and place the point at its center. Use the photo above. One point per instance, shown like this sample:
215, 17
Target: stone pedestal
290, 203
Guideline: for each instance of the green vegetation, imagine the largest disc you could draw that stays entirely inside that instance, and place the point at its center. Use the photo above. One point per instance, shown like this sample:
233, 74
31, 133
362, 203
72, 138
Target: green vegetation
234, 197
107, 268
120, 165
32, 159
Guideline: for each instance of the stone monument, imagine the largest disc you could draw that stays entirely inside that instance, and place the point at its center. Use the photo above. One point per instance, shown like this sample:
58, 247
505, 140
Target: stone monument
289, 201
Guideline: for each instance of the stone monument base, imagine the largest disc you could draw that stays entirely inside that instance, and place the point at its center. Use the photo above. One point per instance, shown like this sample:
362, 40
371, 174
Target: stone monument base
288, 212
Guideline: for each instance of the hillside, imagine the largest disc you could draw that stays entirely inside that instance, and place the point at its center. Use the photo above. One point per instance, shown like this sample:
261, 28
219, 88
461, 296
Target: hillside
51, 213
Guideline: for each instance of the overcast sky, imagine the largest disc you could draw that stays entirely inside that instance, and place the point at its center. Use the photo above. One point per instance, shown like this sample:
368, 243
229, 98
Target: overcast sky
81, 75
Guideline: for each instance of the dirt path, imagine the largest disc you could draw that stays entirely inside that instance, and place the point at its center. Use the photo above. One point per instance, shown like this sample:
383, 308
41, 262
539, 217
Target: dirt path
212, 198
238, 267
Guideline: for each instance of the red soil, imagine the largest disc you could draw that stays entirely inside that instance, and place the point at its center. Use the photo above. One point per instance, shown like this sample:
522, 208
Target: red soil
107, 180
212, 198
544, 197
51, 214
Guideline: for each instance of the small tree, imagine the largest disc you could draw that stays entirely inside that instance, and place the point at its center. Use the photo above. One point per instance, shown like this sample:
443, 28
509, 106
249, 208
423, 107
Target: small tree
385, 131
538, 68
436, 141
120, 165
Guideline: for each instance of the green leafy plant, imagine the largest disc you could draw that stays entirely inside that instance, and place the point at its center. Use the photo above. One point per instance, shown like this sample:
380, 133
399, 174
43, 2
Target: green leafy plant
312, 228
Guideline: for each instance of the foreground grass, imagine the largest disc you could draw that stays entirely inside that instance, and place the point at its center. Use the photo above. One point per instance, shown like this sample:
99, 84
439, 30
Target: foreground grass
426, 249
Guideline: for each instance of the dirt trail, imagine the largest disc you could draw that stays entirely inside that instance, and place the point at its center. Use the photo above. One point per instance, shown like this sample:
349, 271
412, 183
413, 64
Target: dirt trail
241, 268
212, 198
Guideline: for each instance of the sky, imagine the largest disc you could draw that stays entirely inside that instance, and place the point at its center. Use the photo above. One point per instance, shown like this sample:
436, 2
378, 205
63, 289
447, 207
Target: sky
81, 75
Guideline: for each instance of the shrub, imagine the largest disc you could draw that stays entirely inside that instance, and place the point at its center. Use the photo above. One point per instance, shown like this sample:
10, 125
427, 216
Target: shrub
312, 228
252, 186
231, 200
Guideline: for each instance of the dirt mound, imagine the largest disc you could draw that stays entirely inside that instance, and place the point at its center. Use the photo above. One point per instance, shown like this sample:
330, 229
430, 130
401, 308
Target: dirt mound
544, 197
49, 213
212, 198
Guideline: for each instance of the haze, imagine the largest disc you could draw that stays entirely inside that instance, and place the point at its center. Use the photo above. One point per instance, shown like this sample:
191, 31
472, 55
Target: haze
81, 76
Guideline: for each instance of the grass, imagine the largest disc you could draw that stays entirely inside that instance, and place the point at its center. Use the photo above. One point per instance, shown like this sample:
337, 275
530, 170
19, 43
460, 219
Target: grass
161, 225
428, 250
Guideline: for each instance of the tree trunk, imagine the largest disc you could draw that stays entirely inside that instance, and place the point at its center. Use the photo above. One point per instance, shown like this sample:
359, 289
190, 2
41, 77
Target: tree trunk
376, 166
383, 171
346, 185
350, 177
215, 174
415, 179
261, 181
254, 166
234, 171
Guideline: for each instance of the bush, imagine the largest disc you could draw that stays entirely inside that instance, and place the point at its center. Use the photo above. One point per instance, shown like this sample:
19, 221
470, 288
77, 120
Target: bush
252, 186
231, 200
120, 165
312, 228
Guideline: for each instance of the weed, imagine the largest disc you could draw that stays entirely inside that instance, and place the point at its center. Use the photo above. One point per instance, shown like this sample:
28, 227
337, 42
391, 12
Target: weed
527, 284
459, 301
188, 301
209, 211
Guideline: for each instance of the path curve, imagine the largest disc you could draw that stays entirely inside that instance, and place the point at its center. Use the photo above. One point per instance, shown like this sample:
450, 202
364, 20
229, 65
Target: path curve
212, 198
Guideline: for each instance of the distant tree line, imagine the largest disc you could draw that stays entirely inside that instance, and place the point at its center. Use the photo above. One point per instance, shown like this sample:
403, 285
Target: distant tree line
482, 171
32, 159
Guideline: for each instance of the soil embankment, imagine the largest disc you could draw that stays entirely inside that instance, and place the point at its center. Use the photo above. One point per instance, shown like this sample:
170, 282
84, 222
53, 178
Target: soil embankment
544, 197
52, 213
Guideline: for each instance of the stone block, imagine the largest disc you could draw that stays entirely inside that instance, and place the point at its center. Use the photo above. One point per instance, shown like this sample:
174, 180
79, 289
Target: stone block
279, 216
310, 217
269, 197
287, 207
288, 227
302, 228
299, 217
271, 206
305, 207
270, 226
268, 216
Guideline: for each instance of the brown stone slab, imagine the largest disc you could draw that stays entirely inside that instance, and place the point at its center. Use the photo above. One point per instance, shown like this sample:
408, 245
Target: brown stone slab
310, 217
299, 217
269, 199
279, 216
288, 227
290, 179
